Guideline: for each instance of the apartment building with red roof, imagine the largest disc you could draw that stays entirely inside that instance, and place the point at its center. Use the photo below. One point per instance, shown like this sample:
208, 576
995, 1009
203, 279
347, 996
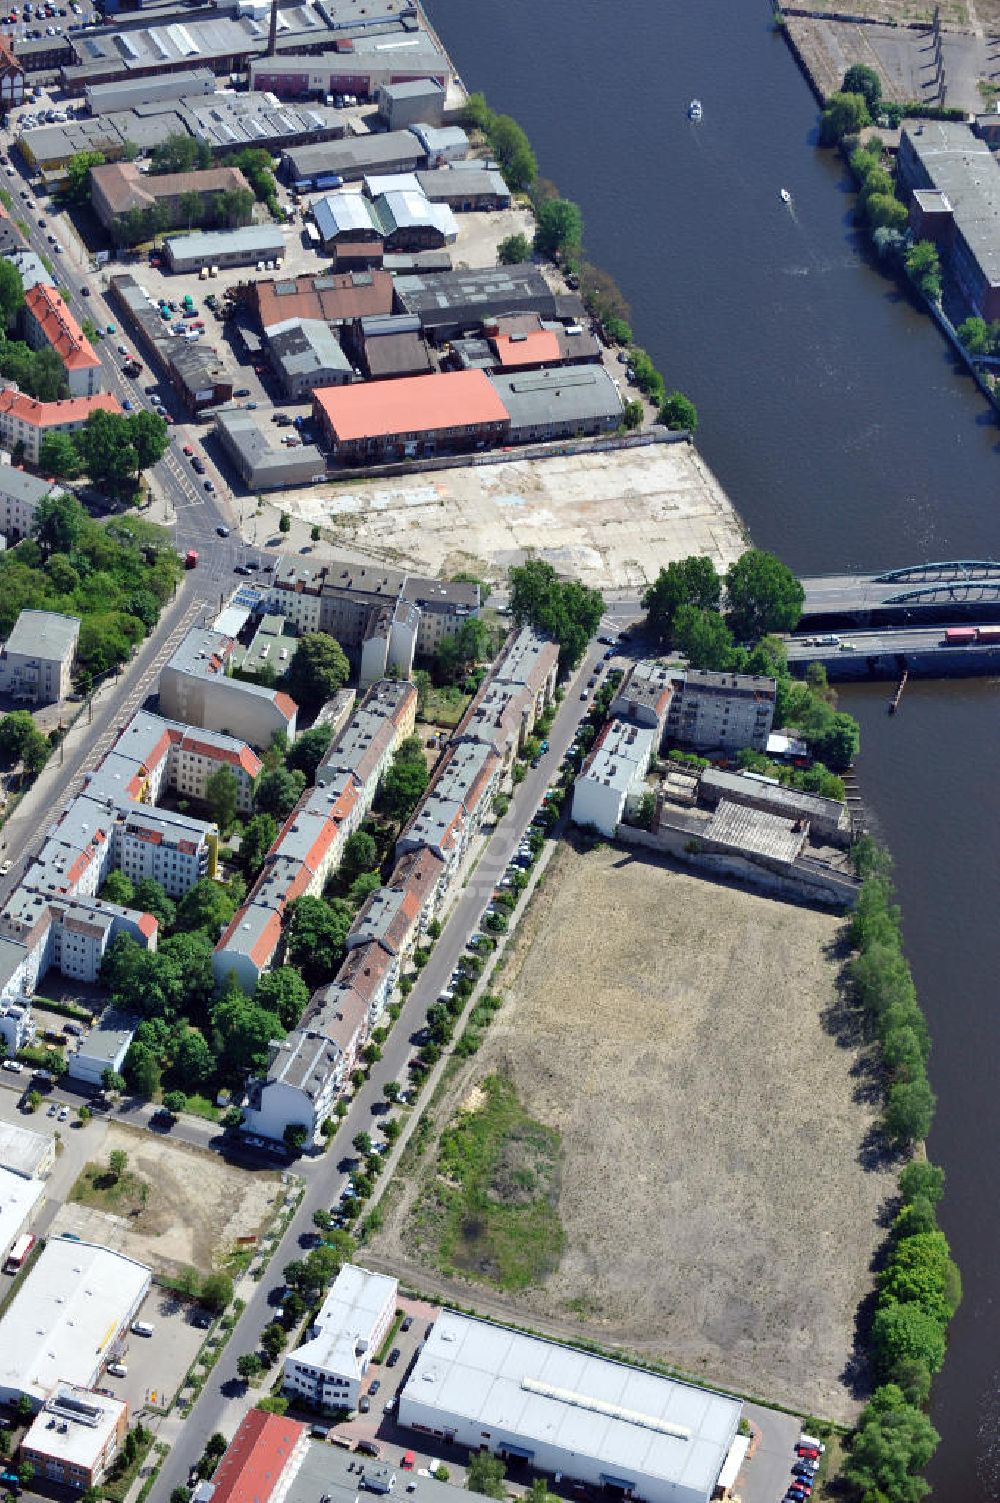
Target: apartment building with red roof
25, 422
261, 1459
48, 323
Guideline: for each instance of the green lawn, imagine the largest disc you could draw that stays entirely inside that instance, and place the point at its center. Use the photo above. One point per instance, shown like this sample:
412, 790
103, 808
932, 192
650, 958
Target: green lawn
490, 1212
120, 1195
445, 706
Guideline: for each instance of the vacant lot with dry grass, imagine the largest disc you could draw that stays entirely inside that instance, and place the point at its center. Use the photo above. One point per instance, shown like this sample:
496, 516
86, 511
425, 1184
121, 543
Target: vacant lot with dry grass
173, 1206
686, 1041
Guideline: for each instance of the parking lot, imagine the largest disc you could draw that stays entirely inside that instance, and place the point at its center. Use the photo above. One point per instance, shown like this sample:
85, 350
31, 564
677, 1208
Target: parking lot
157, 1364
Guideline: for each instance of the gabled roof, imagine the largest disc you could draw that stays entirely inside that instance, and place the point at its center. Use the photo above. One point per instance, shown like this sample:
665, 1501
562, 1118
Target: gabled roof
257, 1457
55, 414
60, 328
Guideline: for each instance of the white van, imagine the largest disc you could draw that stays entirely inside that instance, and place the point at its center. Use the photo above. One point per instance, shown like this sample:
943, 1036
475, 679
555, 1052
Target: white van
142, 1328
117, 1369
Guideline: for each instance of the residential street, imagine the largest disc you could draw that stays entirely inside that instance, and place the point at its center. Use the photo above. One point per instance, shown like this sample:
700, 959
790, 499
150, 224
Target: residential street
224, 1399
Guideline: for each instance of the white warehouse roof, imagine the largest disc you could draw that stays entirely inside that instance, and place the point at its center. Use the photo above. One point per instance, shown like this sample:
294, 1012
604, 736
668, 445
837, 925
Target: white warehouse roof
666, 1439
66, 1314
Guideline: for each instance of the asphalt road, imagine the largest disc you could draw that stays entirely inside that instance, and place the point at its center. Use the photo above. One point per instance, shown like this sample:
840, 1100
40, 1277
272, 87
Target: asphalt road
326, 1180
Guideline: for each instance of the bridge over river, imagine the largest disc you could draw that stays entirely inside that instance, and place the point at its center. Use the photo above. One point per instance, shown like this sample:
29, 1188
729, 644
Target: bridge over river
956, 590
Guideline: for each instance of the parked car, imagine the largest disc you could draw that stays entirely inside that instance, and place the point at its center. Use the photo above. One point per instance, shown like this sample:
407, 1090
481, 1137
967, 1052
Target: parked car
393, 1357
374, 1387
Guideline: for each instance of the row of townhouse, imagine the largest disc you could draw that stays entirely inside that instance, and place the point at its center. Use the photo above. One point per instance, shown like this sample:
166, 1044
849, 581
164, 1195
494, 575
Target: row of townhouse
311, 843
54, 919
309, 1069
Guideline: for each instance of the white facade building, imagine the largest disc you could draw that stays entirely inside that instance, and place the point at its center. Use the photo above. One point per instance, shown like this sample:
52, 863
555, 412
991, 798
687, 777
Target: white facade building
67, 1317
38, 656
18, 1198
351, 1325
20, 494
104, 1048
613, 773
602, 1423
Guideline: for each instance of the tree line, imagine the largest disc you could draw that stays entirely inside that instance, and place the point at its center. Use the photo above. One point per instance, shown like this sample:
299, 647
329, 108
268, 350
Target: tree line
919, 1287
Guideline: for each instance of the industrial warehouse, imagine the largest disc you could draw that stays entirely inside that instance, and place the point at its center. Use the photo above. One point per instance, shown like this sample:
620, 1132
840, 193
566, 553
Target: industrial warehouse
560, 1410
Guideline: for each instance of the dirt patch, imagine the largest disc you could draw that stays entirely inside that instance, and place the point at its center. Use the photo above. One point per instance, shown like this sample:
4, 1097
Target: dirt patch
196, 1207
684, 1040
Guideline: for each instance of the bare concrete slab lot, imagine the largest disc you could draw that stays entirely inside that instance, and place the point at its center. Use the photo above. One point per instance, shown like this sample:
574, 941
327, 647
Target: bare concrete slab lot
904, 59
611, 519
716, 1213
197, 1206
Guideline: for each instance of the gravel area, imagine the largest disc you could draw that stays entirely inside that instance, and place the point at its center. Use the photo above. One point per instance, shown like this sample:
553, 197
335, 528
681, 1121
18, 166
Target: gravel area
686, 1039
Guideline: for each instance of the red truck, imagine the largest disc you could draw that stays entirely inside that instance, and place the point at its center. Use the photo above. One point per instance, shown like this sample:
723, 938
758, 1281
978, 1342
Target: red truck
191, 559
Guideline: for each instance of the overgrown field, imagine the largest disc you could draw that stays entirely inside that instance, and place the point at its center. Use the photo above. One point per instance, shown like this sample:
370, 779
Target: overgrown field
715, 1198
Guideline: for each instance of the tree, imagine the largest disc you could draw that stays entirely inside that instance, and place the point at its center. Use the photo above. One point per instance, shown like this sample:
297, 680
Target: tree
860, 79
279, 791
11, 292
222, 793
405, 782
360, 854
249, 1367
84, 1114
284, 522
316, 934
486, 1475
907, 1331
703, 637
150, 436
142, 1070
565, 610
513, 250
189, 953
207, 905
294, 1136
885, 212
463, 649
909, 1110
283, 992
191, 206
845, 115
318, 669
513, 152
924, 266
194, 1062
180, 153
685, 581
679, 413
76, 188
117, 1163
175, 1102
257, 839
115, 447
309, 750
217, 1292
242, 1032
59, 523
112, 1082
891, 1447
150, 897
763, 595
273, 1340
633, 413
921, 1180
839, 743
559, 228
921, 1271
118, 889
59, 456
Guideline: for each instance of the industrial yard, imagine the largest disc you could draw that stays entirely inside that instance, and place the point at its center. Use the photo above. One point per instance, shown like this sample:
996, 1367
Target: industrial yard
706, 1085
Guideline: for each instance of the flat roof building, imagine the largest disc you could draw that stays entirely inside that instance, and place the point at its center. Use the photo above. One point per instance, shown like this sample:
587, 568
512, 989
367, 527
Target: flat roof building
103, 1048
18, 1198
306, 353
76, 1436
351, 159
334, 298
945, 156
612, 775
602, 1423
67, 1317
29, 1154
327, 1370
36, 662
360, 66
195, 688
401, 105
381, 420
264, 463
123, 94
450, 301
568, 402
257, 242
20, 494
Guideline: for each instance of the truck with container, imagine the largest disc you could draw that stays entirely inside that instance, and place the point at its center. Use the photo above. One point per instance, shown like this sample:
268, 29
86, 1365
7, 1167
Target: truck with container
972, 636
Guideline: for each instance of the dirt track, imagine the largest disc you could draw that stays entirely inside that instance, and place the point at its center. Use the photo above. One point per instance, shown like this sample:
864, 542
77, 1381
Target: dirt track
716, 1211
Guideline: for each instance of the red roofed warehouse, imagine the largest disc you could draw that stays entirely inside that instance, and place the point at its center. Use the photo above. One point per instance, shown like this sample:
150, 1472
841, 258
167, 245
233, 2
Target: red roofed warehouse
262, 1458
48, 321
384, 420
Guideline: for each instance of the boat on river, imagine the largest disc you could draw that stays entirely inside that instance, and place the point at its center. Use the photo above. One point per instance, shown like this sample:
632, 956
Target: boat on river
786, 197
695, 110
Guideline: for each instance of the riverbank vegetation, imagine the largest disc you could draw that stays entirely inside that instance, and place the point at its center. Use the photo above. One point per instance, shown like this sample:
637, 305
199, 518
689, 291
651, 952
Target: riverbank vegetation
919, 1287
559, 238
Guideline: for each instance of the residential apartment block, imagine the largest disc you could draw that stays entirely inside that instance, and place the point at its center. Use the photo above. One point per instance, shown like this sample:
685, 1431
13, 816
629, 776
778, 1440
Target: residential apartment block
353, 1321
36, 661
119, 192
721, 711
194, 688
25, 422
20, 494
613, 773
48, 323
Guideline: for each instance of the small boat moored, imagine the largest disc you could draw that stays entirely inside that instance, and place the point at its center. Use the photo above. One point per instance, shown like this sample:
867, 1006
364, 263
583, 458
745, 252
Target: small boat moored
695, 111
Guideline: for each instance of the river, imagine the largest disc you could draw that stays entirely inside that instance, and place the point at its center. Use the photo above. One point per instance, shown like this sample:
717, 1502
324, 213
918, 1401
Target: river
847, 436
